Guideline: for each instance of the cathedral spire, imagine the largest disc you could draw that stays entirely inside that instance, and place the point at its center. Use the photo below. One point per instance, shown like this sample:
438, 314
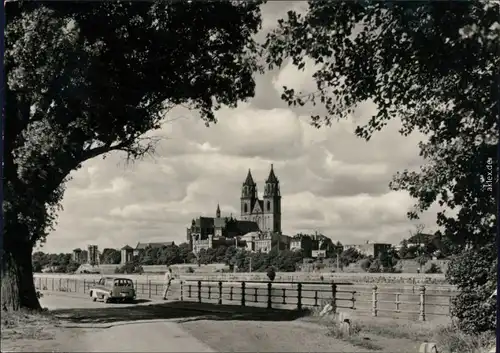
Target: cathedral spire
249, 180
271, 179
272, 188
217, 213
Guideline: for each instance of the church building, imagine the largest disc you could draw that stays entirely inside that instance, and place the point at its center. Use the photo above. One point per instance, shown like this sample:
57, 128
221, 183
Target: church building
266, 212
258, 216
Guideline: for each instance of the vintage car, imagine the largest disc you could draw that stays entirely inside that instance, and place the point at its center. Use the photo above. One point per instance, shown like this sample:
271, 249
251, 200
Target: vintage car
113, 289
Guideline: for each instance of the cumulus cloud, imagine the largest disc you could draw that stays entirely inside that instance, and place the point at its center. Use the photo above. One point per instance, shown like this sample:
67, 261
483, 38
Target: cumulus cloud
331, 180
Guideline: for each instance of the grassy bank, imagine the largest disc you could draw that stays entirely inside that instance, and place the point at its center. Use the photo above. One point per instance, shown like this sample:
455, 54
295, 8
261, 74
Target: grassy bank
27, 331
447, 337
26, 325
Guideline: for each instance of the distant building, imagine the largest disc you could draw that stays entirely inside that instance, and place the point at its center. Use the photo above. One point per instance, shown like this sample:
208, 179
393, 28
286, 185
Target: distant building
369, 248
264, 242
93, 257
262, 218
322, 246
127, 254
80, 256
315, 246
77, 256
302, 242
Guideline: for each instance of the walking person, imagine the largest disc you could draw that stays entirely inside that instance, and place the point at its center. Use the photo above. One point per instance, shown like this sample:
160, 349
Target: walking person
168, 281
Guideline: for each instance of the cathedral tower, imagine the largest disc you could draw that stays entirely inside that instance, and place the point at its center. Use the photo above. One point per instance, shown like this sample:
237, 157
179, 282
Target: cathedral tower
272, 203
248, 197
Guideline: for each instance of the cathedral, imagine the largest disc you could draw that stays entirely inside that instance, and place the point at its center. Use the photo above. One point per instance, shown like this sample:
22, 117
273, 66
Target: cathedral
266, 212
258, 216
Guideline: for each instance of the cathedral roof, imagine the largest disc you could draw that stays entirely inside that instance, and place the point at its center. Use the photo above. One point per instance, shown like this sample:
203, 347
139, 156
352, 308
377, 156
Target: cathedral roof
247, 226
249, 180
220, 222
271, 179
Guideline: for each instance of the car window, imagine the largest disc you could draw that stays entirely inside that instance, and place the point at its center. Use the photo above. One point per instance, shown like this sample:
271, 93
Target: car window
122, 282
101, 281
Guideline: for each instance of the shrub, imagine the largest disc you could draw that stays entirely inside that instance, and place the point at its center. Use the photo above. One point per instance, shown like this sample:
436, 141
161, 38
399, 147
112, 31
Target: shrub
189, 270
129, 268
474, 272
336, 330
319, 266
365, 264
72, 267
398, 268
375, 266
434, 269
452, 340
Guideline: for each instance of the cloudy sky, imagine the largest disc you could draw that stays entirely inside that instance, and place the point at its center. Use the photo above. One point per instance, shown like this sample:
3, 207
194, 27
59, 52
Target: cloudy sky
331, 181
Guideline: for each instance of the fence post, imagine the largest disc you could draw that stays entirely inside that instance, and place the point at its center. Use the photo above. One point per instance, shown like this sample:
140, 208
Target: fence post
199, 291
220, 292
84, 286
60, 283
149, 289
243, 293
67, 284
299, 296
182, 291
53, 283
76, 285
421, 316
397, 302
334, 297
269, 295
374, 300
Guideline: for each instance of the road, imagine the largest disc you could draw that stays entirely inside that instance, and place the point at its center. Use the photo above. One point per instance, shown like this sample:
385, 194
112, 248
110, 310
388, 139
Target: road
157, 326
162, 335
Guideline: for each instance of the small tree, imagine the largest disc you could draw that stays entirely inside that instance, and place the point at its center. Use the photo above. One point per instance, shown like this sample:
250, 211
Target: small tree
434, 269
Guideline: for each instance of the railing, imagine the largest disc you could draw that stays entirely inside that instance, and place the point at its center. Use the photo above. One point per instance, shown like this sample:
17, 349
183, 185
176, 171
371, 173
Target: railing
374, 301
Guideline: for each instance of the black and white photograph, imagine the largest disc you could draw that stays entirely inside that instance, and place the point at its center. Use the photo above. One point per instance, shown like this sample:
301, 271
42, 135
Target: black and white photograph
250, 176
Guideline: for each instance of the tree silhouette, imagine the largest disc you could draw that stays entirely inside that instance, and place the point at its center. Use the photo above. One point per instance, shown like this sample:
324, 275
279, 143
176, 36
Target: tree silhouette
84, 79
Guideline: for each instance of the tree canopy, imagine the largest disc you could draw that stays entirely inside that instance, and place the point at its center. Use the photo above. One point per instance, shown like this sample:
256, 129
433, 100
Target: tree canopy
432, 65
88, 78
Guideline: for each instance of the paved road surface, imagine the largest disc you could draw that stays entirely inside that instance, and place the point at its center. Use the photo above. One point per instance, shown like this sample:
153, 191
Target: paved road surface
170, 328
133, 336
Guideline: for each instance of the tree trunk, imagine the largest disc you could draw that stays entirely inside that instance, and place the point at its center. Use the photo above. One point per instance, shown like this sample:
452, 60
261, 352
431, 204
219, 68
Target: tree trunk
18, 288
